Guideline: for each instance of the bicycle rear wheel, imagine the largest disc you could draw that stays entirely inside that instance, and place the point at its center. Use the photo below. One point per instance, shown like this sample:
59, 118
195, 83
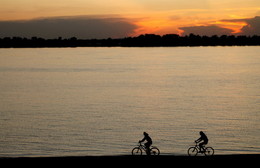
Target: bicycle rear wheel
209, 151
137, 151
154, 151
192, 151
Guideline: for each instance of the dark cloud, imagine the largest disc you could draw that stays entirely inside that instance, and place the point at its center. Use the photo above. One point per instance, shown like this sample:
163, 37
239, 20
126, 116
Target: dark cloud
66, 27
252, 27
205, 30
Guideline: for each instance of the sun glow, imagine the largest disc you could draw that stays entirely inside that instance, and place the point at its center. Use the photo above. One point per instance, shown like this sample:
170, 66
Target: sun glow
150, 26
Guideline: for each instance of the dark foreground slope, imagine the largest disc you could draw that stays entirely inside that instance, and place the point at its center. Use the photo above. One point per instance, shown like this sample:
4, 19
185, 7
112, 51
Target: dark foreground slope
136, 161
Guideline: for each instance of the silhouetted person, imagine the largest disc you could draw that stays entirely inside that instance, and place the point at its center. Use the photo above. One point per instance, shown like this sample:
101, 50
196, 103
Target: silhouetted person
203, 138
148, 143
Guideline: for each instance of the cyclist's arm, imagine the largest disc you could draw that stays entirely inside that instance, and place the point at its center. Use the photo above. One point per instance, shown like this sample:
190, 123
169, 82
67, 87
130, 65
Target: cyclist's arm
198, 140
142, 140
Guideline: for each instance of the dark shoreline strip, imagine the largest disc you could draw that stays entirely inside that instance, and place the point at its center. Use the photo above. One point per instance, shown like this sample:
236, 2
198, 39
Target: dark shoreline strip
242, 159
146, 40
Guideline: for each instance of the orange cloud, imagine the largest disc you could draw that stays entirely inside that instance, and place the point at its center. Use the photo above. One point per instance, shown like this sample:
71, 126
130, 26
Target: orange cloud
234, 26
250, 26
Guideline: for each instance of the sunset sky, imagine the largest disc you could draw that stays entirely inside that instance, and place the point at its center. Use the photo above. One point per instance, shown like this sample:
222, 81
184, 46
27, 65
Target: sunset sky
120, 18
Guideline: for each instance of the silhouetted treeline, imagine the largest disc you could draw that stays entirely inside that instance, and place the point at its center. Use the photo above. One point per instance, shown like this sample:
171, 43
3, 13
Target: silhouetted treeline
147, 40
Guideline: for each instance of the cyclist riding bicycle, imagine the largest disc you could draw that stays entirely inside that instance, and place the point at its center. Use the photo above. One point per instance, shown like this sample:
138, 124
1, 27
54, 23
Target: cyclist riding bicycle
148, 143
203, 138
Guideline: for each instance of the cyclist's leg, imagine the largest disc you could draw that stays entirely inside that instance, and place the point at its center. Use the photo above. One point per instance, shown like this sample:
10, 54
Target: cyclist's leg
202, 146
147, 146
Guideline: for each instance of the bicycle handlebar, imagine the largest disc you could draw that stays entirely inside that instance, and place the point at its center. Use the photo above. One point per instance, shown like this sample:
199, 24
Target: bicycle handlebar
196, 143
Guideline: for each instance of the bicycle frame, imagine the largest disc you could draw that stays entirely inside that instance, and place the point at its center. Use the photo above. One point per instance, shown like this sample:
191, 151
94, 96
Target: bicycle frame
198, 147
138, 150
194, 150
141, 146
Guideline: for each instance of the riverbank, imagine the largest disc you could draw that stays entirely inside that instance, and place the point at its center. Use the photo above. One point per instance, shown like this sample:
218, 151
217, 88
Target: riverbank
169, 160
146, 40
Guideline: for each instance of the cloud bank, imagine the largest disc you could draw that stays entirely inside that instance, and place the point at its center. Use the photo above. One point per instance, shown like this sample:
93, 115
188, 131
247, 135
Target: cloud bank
252, 28
66, 27
101, 27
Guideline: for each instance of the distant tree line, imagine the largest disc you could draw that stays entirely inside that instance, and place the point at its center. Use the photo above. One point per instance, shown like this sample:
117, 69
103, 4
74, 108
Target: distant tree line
146, 40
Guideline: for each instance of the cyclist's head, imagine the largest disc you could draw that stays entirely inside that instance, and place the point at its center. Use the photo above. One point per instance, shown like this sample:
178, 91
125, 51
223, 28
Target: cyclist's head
201, 133
145, 134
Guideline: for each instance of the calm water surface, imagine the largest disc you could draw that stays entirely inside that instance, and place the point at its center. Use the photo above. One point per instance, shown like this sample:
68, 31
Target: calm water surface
98, 101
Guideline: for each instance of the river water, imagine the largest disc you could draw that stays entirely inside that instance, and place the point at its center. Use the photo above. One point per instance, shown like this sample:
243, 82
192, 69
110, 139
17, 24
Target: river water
99, 101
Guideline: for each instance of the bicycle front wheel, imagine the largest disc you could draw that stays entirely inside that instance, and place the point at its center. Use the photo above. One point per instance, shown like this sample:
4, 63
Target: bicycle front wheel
154, 151
209, 151
192, 151
137, 151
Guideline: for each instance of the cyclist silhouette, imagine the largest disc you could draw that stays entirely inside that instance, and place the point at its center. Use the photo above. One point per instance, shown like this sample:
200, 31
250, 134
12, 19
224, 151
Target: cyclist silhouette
148, 143
203, 138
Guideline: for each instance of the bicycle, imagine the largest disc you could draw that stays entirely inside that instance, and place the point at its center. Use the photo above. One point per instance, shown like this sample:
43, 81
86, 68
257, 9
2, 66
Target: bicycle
194, 150
140, 148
